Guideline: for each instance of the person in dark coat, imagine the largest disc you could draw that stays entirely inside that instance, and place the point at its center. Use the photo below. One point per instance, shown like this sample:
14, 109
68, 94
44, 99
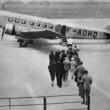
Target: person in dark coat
63, 55
51, 57
51, 67
52, 71
66, 65
59, 67
57, 55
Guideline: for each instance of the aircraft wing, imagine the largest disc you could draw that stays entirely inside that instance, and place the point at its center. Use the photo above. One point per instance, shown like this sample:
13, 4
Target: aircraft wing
32, 35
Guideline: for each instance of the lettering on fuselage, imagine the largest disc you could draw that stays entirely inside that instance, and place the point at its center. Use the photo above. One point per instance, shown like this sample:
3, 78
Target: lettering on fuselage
87, 33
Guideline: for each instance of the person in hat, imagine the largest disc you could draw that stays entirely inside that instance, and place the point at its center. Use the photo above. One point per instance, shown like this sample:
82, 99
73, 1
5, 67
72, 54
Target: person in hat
51, 67
66, 65
75, 50
59, 72
57, 55
72, 67
79, 72
63, 55
86, 81
51, 57
69, 51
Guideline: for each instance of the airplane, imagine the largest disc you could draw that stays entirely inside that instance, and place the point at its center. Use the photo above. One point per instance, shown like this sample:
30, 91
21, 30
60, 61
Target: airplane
28, 28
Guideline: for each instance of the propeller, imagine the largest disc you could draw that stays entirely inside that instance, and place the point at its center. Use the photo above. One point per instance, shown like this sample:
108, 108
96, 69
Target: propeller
3, 31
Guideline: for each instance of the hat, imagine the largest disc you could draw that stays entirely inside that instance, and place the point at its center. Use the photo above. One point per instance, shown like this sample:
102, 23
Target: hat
69, 45
85, 71
72, 59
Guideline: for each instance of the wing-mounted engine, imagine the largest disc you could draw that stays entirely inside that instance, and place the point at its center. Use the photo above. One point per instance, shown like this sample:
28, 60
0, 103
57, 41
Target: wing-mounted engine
10, 29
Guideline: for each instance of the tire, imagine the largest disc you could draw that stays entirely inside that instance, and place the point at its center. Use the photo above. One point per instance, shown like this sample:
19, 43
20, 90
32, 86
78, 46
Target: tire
23, 44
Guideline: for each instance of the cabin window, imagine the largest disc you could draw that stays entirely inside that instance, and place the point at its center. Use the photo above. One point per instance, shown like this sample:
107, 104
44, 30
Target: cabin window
38, 24
44, 25
23, 22
58, 28
32, 23
17, 20
51, 27
10, 19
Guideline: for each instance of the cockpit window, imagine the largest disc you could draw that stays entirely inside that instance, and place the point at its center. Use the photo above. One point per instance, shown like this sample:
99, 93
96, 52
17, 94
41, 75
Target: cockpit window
10, 19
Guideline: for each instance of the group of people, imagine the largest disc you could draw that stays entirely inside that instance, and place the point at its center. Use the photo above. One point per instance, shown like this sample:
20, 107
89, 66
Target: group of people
66, 63
84, 82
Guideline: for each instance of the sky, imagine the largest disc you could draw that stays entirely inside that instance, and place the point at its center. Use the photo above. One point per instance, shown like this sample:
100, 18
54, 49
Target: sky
56, 0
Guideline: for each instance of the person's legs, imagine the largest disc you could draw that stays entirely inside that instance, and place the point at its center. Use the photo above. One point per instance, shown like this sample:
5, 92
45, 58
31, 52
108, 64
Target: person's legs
66, 77
63, 77
87, 96
53, 77
83, 96
60, 81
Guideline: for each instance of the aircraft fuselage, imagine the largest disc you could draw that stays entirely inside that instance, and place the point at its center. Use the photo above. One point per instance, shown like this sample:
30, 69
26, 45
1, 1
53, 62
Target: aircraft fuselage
31, 27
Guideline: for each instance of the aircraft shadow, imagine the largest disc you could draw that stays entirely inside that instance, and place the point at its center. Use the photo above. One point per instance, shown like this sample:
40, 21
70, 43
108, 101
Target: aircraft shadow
43, 46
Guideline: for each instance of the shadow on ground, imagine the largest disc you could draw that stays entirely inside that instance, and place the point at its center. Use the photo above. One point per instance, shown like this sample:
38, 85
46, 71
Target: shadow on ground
43, 46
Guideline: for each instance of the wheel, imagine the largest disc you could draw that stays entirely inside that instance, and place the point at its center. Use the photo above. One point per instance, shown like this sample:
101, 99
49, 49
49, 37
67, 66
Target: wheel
31, 41
19, 40
23, 44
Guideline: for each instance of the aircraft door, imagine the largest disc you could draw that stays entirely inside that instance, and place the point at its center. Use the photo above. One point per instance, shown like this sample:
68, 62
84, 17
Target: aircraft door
63, 32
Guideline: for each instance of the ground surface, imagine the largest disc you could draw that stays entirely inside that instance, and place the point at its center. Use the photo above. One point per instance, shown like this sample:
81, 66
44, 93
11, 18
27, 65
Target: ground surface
23, 72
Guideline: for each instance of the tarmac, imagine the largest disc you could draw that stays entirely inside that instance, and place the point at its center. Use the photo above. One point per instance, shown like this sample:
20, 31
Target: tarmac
24, 73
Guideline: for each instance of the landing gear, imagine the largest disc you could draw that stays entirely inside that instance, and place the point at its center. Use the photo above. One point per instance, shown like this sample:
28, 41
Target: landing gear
23, 44
19, 40
31, 41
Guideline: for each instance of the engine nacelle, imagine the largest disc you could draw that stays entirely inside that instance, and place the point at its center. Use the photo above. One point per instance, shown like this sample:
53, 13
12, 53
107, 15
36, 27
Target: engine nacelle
10, 29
